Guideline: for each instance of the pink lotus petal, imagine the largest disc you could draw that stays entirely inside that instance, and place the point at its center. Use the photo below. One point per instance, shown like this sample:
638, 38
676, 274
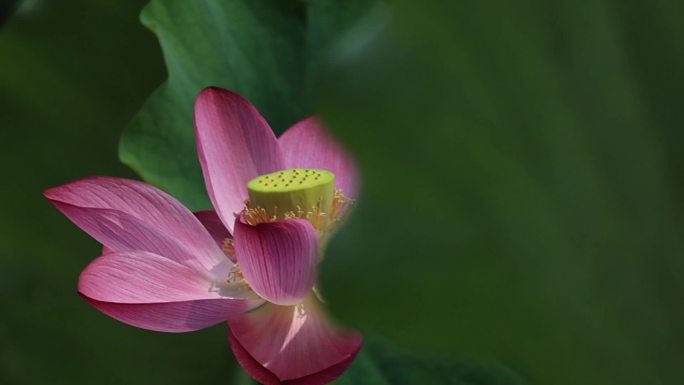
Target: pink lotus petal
250, 365
294, 345
235, 144
142, 277
308, 144
211, 221
265, 376
153, 292
174, 317
119, 232
278, 259
124, 214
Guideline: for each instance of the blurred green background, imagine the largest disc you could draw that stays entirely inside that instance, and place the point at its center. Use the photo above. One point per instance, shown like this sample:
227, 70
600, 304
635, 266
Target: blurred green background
522, 162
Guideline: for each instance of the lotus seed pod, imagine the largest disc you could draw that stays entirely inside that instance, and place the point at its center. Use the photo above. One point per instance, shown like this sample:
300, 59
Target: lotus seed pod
294, 192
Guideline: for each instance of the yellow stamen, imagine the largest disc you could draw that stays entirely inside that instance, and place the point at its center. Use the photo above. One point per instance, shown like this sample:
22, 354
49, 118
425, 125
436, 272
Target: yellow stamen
236, 277
229, 247
254, 215
341, 205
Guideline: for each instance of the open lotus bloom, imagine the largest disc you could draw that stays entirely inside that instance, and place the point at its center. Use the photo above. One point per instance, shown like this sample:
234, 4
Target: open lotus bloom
252, 262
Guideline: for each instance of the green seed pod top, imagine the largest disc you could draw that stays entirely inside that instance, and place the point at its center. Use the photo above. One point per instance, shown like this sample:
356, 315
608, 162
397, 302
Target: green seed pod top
293, 192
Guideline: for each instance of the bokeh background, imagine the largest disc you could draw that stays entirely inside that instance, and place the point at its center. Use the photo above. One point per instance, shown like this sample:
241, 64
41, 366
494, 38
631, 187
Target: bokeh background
523, 169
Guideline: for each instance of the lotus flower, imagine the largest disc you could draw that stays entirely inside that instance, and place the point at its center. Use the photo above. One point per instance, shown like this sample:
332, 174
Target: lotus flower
252, 262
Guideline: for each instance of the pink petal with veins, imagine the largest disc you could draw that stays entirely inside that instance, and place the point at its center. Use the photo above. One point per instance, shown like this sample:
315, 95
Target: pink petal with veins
278, 259
308, 144
126, 215
293, 345
172, 317
234, 144
153, 292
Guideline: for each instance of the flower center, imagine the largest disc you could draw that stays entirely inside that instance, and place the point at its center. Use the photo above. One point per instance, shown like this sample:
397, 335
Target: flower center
295, 192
